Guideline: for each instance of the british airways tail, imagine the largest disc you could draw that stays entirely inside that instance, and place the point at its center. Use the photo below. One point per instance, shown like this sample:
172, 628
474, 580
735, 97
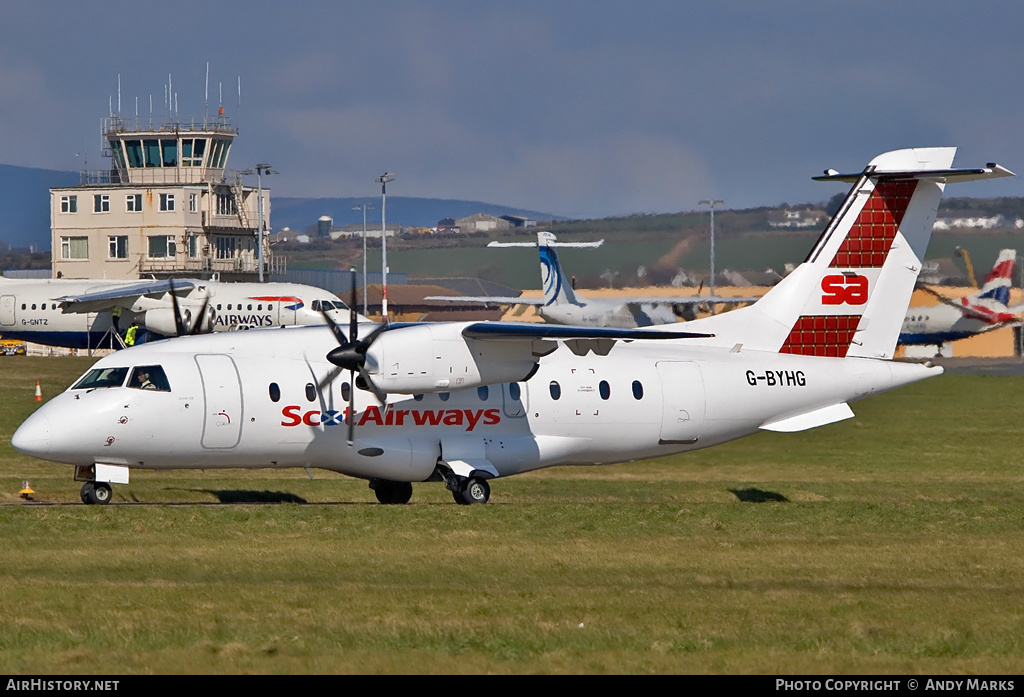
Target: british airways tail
850, 296
1000, 279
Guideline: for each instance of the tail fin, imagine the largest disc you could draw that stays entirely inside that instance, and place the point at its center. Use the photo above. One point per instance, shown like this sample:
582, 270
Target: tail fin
557, 288
1000, 278
850, 295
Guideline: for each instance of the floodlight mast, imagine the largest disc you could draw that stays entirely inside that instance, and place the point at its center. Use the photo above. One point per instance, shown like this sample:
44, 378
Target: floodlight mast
259, 170
364, 207
383, 181
711, 281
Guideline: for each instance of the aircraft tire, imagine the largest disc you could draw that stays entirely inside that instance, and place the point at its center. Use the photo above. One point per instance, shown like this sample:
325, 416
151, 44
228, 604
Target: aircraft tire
96, 493
393, 492
473, 491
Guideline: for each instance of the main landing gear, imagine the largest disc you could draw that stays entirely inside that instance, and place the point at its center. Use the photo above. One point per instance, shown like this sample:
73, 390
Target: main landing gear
472, 490
391, 492
465, 490
96, 493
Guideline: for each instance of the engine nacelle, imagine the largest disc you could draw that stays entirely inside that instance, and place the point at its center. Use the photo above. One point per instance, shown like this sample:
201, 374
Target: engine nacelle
437, 358
161, 320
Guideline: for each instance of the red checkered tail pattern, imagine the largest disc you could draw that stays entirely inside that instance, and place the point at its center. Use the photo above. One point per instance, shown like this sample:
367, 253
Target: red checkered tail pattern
849, 297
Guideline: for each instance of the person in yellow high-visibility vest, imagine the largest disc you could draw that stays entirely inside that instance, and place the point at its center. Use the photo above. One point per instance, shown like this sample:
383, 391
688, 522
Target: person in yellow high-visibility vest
129, 336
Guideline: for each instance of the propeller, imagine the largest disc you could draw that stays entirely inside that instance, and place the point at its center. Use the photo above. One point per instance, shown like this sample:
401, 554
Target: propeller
350, 355
941, 298
183, 322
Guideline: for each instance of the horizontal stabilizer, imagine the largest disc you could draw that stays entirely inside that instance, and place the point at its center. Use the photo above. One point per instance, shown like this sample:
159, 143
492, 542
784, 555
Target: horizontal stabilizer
990, 171
552, 243
810, 419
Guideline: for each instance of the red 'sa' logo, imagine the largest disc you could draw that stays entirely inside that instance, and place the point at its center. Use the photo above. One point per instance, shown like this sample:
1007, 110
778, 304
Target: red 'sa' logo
844, 290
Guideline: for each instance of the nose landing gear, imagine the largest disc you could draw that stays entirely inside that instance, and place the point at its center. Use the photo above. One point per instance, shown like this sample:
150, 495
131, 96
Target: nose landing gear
96, 493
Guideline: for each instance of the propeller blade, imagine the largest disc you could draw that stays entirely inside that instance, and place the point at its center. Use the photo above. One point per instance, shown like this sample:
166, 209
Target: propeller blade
351, 408
381, 395
197, 328
353, 325
177, 310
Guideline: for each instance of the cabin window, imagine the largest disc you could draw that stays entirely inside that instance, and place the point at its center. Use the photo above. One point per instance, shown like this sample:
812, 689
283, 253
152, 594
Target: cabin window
346, 391
605, 389
101, 377
418, 397
444, 396
483, 393
555, 389
310, 392
149, 377
275, 392
638, 390
514, 391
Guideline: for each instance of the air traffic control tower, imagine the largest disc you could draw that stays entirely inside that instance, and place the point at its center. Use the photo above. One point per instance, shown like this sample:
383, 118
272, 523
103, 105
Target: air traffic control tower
167, 206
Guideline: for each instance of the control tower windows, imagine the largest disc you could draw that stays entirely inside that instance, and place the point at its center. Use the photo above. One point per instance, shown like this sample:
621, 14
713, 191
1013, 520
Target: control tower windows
134, 150
151, 149
169, 148
192, 152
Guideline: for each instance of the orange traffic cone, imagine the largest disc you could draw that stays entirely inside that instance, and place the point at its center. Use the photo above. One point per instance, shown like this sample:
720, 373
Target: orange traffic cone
39, 392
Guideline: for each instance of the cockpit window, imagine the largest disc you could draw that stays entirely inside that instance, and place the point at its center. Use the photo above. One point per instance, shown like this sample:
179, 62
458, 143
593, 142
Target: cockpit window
101, 377
327, 305
149, 377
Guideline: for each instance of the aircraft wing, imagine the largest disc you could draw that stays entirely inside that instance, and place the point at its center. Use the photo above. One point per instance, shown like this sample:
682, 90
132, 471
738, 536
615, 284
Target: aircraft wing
123, 295
687, 300
515, 331
489, 299
654, 300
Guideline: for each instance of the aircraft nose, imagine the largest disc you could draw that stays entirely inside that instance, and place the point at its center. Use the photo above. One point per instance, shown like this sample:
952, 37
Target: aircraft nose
33, 436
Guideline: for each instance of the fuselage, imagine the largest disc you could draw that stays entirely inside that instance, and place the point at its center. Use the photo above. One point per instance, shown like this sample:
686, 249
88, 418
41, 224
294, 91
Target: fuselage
271, 399
941, 323
28, 310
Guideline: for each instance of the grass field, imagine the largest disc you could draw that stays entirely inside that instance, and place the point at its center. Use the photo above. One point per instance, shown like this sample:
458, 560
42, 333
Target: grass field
892, 543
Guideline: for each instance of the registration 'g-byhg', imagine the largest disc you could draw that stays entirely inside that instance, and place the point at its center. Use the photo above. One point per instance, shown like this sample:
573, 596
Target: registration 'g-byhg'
464, 403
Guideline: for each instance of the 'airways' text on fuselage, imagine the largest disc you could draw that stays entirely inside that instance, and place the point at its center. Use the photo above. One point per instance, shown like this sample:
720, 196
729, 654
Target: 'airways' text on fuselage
244, 320
785, 378
467, 418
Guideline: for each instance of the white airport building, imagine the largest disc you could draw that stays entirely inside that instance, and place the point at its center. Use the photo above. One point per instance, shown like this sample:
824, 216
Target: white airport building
167, 206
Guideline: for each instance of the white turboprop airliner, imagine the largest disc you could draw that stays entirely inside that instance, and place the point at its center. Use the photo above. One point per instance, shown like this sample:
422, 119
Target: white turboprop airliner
968, 315
561, 305
77, 313
467, 402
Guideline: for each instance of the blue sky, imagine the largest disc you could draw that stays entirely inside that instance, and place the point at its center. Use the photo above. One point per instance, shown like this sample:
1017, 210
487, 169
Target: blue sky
577, 108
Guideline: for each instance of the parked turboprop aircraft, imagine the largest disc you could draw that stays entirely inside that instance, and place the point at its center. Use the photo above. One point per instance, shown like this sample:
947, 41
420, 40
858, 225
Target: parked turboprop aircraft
77, 313
561, 305
466, 402
967, 315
